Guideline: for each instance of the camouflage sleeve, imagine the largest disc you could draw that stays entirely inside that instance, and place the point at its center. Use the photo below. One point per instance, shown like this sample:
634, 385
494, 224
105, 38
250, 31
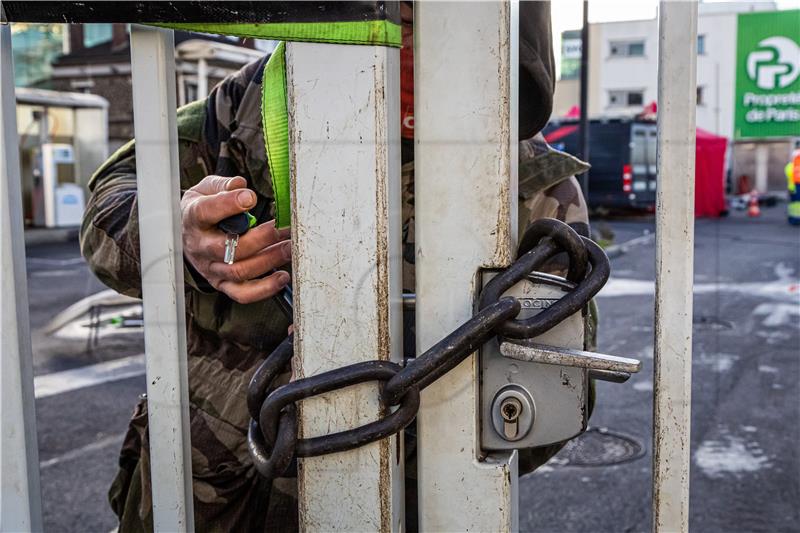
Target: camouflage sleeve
548, 189
208, 144
109, 233
563, 201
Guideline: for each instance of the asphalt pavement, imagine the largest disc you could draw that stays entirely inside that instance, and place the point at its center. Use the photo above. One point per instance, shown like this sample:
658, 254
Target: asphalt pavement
745, 398
746, 402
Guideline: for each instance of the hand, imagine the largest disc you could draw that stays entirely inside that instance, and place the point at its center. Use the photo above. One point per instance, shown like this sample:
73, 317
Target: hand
260, 250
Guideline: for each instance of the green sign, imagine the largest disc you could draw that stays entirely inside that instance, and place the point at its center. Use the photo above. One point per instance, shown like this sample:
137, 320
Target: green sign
571, 55
768, 75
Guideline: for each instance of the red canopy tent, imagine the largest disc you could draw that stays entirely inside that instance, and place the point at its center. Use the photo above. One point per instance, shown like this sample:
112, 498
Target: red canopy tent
709, 171
709, 175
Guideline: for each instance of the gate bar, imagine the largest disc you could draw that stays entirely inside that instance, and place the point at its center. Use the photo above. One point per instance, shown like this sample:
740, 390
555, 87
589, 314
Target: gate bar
466, 218
158, 186
344, 129
20, 494
672, 383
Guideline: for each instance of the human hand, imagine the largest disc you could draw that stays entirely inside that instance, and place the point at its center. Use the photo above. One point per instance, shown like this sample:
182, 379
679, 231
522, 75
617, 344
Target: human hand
259, 251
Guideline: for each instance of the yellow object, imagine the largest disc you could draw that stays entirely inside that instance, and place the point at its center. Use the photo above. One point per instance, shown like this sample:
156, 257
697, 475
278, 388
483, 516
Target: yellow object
793, 172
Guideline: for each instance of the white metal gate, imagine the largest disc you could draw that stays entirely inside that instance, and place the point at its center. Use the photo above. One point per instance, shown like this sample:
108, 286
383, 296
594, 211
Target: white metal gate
363, 489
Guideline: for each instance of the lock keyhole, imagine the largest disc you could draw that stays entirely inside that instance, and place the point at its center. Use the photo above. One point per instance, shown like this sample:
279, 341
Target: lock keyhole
512, 412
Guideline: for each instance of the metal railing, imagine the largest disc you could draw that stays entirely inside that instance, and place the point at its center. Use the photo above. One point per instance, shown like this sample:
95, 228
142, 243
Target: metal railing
162, 280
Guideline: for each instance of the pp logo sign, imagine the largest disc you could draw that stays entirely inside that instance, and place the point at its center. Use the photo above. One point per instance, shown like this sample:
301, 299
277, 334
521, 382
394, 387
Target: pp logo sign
775, 64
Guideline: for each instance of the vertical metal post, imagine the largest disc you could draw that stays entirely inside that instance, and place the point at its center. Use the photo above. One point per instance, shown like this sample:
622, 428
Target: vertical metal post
344, 123
466, 218
153, 72
20, 496
677, 60
584, 98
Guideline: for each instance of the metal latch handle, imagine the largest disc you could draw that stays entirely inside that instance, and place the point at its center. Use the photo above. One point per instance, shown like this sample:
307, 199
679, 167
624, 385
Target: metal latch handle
600, 366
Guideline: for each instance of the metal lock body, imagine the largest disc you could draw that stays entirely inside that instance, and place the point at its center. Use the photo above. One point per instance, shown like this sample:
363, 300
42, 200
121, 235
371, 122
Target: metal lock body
552, 397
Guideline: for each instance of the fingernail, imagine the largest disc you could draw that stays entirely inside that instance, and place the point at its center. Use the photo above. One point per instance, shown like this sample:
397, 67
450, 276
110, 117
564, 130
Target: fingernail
246, 199
286, 248
284, 278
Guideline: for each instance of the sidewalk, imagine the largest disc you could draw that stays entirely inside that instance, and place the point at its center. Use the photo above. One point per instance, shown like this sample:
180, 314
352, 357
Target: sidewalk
34, 236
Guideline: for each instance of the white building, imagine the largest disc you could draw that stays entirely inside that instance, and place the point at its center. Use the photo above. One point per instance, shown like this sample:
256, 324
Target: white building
623, 79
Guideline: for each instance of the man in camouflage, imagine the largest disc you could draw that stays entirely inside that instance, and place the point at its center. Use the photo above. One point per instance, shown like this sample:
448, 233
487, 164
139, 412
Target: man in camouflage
233, 320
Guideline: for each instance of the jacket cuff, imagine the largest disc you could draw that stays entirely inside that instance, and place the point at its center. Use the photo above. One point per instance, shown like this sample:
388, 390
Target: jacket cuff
194, 279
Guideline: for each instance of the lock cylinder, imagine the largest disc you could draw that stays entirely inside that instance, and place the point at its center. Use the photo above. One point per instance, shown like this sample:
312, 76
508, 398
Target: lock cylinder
513, 412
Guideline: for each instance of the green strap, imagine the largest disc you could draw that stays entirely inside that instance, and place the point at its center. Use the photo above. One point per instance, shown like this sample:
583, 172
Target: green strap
374, 32
275, 120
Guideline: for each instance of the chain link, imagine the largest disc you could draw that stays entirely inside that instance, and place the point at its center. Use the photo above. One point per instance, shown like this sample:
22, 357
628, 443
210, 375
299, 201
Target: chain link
272, 436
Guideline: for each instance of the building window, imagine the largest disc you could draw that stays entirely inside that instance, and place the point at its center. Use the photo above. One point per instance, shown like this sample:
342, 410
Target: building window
701, 45
635, 98
627, 49
701, 95
625, 98
94, 34
191, 91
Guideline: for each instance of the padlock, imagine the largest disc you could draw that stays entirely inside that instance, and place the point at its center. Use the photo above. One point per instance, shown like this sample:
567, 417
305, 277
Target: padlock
535, 392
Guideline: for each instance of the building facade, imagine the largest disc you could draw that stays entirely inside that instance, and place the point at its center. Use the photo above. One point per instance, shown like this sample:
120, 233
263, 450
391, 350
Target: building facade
623, 79
97, 61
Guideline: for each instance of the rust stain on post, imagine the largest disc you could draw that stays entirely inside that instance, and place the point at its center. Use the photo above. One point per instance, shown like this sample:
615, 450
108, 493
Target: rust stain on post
502, 254
382, 278
382, 214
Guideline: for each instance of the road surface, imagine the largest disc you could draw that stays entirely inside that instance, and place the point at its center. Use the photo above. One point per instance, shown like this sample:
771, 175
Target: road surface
746, 402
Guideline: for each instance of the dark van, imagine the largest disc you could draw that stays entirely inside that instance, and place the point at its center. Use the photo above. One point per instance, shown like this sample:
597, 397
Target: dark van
622, 152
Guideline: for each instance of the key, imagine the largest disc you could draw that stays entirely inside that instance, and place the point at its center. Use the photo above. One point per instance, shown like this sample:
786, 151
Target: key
234, 227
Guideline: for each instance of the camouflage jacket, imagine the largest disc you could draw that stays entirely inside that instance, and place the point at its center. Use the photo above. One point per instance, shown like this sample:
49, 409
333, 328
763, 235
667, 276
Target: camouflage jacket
227, 341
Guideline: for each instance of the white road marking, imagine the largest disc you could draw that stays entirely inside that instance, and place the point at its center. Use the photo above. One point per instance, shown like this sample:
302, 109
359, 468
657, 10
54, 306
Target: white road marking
730, 454
57, 262
115, 440
54, 273
616, 250
777, 314
719, 362
88, 376
786, 290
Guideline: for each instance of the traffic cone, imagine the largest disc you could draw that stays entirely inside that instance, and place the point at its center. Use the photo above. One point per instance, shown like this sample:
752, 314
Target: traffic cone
752, 206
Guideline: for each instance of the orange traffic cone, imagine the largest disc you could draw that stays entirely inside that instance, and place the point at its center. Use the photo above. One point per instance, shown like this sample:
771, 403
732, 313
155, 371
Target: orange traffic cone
752, 206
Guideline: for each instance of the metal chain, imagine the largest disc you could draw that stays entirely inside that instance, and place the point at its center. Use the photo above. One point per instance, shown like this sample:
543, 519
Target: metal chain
272, 436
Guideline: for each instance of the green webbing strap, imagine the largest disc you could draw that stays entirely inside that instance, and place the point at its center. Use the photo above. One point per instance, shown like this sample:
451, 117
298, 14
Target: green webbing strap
274, 113
275, 121
374, 32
